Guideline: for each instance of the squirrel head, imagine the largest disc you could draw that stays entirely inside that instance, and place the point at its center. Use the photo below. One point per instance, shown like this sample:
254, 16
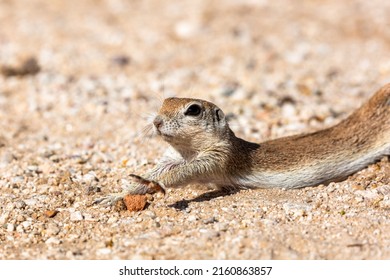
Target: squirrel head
190, 125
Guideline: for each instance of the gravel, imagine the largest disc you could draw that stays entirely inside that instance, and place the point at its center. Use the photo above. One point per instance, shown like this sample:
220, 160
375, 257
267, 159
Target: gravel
77, 85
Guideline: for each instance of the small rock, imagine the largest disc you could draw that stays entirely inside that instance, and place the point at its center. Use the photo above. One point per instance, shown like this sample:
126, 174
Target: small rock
29, 66
369, 194
121, 60
89, 217
32, 168
90, 177
112, 220
4, 218
26, 224
20, 218
76, 216
150, 214
20, 229
103, 251
221, 226
209, 234
20, 204
50, 213
53, 240
10, 227
17, 180
209, 220
297, 210
192, 218
52, 230
359, 199
31, 202
135, 202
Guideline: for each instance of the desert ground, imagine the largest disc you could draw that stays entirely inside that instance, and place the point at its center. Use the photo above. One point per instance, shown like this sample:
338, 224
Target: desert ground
79, 80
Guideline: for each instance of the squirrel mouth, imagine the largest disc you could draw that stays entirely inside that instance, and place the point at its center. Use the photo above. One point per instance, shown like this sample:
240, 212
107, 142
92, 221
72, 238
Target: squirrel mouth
163, 134
166, 136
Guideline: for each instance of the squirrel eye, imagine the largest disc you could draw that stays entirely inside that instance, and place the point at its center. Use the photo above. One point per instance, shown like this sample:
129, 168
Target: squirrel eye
193, 110
218, 114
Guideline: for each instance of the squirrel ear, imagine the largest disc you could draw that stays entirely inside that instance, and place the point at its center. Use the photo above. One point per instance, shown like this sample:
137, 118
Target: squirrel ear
219, 114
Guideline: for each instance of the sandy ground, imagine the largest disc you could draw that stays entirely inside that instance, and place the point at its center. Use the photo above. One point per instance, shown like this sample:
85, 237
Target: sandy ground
71, 121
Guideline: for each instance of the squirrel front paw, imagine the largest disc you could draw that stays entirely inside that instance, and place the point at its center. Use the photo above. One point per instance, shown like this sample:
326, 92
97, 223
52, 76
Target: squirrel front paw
110, 199
150, 186
141, 186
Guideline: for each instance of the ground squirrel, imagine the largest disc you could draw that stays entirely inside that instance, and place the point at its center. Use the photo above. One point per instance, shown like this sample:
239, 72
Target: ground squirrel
205, 150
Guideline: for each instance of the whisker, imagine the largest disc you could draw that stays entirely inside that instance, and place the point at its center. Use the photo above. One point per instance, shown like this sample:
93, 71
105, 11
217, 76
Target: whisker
158, 97
147, 131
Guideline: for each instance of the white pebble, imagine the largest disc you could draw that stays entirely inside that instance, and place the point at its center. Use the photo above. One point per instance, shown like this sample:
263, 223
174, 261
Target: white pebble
76, 216
53, 240
103, 251
191, 218
10, 227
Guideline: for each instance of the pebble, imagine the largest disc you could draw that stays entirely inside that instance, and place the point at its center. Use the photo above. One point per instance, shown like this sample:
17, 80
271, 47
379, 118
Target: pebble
20, 229
90, 177
369, 194
221, 226
20, 204
32, 168
53, 241
192, 218
20, 218
76, 216
112, 220
4, 218
26, 224
17, 180
209, 220
90, 218
209, 234
10, 227
50, 213
297, 210
31, 202
120, 60
103, 251
52, 229
150, 214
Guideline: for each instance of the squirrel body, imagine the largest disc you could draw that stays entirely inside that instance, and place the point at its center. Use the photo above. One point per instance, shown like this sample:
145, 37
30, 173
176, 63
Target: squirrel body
206, 150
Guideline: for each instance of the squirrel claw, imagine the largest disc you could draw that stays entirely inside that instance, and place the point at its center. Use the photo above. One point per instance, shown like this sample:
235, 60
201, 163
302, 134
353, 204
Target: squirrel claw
108, 200
147, 186
152, 186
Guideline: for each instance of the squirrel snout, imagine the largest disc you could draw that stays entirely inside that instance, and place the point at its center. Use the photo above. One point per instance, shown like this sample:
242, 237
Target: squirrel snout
157, 122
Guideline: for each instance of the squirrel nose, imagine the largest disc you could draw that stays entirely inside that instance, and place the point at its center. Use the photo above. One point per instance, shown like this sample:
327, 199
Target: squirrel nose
158, 122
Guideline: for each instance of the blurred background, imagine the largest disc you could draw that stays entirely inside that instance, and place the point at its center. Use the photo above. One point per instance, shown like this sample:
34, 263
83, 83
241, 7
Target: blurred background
93, 56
